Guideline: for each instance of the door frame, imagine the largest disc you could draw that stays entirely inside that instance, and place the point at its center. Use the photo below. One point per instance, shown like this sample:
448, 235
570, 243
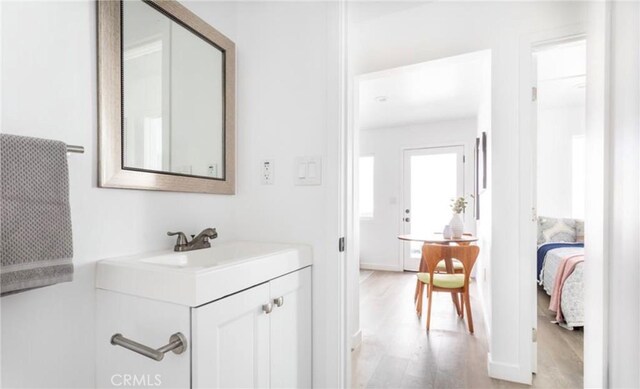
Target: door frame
596, 213
529, 244
597, 209
402, 245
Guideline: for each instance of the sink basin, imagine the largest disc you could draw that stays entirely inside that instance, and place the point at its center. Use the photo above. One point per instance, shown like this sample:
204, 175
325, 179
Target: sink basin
181, 260
197, 277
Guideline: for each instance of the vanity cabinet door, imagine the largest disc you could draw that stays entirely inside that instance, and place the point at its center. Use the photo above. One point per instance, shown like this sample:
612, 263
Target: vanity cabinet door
291, 330
230, 339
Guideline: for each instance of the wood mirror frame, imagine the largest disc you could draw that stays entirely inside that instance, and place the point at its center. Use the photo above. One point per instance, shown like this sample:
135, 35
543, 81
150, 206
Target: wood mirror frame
111, 173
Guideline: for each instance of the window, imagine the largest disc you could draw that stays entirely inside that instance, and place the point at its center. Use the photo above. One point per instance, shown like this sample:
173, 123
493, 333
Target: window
366, 186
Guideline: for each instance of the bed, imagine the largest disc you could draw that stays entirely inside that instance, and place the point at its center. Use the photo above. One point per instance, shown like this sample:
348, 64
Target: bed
559, 241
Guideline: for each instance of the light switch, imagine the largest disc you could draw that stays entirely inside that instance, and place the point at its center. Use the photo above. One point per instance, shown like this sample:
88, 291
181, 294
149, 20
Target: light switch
308, 171
311, 170
302, 170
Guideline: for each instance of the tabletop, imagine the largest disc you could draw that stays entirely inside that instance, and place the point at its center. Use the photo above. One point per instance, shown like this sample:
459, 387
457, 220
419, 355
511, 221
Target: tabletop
438, 239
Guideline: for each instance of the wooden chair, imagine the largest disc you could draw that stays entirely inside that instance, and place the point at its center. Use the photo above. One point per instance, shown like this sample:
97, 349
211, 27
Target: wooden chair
457, 266
441, 268
451, 282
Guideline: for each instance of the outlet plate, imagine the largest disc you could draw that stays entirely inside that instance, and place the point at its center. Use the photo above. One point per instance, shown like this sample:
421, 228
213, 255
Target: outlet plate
267, 172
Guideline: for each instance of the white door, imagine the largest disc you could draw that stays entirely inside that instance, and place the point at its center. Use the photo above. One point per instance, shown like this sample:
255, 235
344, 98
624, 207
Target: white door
432, 178
291, 330
230, 341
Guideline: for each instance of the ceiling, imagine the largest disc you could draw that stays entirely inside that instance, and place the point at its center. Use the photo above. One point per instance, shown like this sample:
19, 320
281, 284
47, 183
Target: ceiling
364, 10
443, 89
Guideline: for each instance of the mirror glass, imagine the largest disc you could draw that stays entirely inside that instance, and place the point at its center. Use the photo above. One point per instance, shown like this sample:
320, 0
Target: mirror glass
172, 96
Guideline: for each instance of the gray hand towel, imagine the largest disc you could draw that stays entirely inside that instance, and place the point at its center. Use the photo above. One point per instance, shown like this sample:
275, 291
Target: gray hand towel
35, 223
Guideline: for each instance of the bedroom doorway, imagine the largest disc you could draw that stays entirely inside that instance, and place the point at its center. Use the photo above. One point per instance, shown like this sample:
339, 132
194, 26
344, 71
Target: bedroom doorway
558, 125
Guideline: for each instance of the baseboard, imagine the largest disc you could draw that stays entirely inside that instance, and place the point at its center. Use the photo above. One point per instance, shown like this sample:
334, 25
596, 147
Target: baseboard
356, 340
487, 322
379, 266
508, 372
485, 309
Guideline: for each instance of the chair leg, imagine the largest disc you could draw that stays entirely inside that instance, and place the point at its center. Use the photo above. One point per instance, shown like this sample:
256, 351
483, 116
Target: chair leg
429, 306
462, 304
468, 305
454, 298
415, 296
420, 299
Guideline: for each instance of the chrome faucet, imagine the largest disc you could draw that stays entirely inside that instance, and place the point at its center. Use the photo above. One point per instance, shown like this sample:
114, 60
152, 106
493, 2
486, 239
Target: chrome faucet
201, 241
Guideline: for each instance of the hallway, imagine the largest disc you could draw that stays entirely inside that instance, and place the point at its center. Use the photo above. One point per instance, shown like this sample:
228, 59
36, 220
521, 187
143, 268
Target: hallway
396, 351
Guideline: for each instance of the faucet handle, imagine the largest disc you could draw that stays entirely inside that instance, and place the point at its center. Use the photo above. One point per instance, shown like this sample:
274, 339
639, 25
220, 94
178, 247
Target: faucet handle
182, 238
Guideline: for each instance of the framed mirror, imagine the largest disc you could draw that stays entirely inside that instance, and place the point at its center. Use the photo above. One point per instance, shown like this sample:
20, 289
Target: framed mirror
166, 99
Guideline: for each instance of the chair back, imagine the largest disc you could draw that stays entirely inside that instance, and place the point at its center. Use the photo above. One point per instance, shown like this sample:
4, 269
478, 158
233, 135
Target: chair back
434, 253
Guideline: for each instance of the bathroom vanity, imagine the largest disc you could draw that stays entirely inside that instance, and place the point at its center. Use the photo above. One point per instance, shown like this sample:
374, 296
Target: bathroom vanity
243, 309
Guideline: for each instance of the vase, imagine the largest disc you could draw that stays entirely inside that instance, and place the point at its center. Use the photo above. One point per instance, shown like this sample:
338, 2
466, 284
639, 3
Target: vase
446, 233
457, 226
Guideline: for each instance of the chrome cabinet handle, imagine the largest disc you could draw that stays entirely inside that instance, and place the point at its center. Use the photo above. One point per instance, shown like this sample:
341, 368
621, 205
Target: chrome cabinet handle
279, 301
267, 308
177, 344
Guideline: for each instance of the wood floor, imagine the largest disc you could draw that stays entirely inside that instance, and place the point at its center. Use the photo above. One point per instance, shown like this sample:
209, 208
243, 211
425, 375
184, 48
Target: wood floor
397, 352
560, 351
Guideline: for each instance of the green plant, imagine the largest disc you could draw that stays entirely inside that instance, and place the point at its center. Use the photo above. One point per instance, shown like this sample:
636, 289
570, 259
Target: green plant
459, 205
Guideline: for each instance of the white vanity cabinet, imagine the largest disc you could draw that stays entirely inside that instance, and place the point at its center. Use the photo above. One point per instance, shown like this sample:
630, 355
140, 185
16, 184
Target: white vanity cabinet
244, 309
257, 338
291, 331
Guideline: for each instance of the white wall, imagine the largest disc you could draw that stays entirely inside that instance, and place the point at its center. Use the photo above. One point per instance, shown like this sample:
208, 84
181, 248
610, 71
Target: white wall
598, 188
379, 246
556, 128
441, 29
484, 225
288, 78
286, 103
623, 260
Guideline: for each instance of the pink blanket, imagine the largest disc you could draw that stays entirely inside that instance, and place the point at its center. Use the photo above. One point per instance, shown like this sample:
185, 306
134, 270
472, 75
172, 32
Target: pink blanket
565, 268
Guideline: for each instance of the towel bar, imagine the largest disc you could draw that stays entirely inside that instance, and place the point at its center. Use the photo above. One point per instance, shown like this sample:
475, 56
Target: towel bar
177, 344
75, 149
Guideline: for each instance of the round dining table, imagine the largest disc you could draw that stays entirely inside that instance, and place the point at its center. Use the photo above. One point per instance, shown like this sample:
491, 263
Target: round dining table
438, 239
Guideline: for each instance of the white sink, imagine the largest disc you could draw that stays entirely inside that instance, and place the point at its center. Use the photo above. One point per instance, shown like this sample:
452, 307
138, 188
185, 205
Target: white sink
197, 277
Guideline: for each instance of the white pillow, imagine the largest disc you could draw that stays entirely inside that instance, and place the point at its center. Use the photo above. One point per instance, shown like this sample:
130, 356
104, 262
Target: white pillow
556, 230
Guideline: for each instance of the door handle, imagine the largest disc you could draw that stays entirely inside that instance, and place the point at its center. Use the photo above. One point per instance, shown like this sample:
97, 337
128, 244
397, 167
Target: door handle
407, 219
279, 301
407, 210
267, 308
